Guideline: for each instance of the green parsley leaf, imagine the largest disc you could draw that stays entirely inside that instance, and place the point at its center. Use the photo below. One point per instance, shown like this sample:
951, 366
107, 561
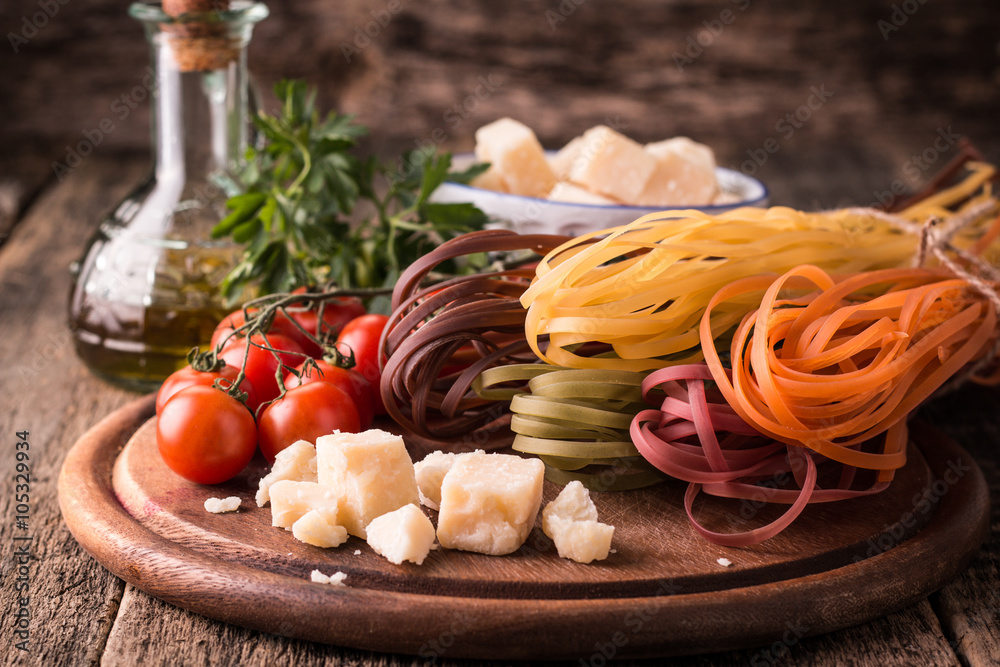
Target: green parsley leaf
296, 217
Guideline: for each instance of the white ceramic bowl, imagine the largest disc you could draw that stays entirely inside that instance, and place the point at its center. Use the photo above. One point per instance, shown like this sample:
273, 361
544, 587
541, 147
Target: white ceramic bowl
530, 215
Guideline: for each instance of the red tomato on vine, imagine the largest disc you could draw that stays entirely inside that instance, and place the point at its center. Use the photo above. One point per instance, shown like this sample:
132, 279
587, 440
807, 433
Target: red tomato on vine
205, 435
362, 336
188, 376
336, 314
305, 413
261, 363
349, 380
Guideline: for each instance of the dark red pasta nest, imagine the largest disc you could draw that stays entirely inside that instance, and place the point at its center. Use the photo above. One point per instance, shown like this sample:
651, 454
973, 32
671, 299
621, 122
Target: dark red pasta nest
682, 439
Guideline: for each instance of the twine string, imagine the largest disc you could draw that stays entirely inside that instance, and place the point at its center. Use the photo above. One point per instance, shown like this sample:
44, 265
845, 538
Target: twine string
935, 239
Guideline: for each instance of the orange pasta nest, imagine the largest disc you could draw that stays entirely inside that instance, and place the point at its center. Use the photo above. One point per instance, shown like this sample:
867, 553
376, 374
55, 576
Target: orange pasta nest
827, 370
848, 359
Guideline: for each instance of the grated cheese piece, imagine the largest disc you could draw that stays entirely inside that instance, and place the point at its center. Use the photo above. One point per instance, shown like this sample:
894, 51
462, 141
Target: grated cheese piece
684, 174
611, 164
574, 194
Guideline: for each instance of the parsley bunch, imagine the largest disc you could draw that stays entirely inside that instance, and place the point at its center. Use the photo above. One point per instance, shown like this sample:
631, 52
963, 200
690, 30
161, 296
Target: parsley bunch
301, 189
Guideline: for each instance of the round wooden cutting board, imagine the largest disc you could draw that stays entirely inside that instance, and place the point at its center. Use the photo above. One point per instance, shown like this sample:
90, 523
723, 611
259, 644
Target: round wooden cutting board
662, 591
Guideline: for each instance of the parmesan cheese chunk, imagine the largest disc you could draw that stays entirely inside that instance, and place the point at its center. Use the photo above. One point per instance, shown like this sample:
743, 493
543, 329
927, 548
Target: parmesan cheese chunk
296, 462
370, 473
574, 194
430, 473
611, 164
489, 502
291, 500
684, 174
403, 534
319, 528
581, 541
572, 503
489, 180
571, 521
562, 161
220, 505
513, 151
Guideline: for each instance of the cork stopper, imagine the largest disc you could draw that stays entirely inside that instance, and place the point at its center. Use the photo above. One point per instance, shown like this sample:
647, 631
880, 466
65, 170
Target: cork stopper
197, 45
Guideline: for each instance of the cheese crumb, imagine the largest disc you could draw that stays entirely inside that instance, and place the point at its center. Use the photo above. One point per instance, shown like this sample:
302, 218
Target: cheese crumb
357, 552
370, 473
337, 579
489, 180
220, 505
430, 473
489, 502
571, 521
724, 562
403, 534
297, 462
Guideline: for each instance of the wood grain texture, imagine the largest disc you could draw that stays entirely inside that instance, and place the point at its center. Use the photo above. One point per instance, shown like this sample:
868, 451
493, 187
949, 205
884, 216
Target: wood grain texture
73, 601
420, 77
152, 530
969, 607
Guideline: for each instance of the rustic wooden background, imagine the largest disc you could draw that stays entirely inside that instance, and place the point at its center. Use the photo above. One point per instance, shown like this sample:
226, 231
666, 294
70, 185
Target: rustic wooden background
893, 77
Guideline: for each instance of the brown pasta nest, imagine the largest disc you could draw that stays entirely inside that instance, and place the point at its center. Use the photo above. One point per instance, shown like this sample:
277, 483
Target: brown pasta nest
440, 337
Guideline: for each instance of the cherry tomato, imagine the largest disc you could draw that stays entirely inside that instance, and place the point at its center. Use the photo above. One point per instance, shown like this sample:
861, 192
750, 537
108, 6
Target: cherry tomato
362, 335
336, 314
305, 413
279, 325
188, 376
205, 435
261, 364
349, 380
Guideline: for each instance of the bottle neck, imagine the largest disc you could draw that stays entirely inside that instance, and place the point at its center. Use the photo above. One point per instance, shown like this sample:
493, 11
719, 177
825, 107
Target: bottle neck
199, 117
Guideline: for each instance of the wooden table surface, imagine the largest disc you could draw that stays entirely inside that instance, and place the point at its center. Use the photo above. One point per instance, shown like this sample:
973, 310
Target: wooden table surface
81, 614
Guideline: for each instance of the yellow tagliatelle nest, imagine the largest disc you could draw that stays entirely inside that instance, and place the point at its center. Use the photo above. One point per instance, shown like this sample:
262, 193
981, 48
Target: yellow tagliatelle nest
642, 288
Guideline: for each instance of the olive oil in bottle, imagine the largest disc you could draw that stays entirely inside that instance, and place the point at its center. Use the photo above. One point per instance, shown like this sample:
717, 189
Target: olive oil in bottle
146, 289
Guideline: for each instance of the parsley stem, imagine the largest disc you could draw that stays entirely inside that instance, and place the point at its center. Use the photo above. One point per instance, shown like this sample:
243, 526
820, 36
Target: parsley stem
306, 167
